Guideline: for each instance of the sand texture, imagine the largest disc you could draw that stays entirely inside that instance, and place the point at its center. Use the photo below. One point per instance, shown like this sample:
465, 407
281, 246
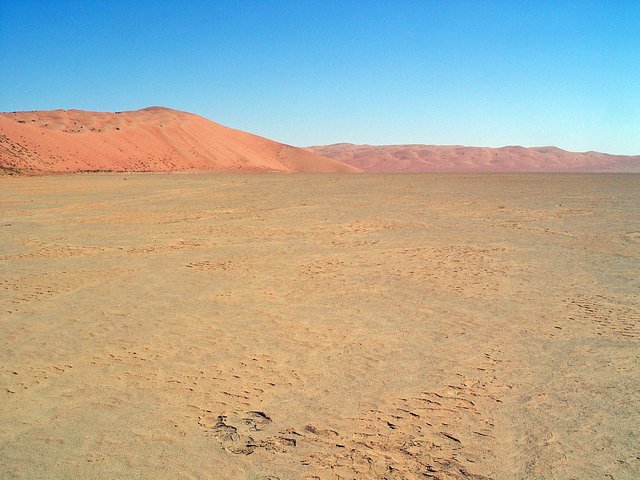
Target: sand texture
456, 158
154, 139
320, 326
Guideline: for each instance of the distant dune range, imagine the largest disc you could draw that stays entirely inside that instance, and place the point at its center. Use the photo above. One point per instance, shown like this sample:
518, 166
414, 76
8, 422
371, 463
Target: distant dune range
153, 139
158, 139
455, 158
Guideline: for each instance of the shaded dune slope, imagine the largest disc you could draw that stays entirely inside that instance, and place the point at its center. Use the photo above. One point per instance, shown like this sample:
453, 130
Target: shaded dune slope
153, 139
454, 158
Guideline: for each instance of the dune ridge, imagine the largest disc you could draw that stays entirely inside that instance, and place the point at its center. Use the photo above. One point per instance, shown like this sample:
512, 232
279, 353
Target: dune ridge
457, 158
154, 139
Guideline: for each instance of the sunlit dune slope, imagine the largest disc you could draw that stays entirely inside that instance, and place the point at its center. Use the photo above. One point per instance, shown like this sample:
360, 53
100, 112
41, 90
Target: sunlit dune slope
455, 158
153, 139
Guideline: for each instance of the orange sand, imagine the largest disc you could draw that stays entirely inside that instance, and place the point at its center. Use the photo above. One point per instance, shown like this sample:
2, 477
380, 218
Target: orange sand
153, 139
456, 158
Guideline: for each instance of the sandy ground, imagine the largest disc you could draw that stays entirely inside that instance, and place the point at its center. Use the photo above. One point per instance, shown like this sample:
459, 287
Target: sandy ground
320, 326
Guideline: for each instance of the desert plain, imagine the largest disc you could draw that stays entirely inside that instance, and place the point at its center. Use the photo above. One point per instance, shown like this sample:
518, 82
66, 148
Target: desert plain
320, 326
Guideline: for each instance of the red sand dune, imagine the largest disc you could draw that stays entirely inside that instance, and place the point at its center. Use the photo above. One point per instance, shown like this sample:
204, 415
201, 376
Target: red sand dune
153, 139
455, 158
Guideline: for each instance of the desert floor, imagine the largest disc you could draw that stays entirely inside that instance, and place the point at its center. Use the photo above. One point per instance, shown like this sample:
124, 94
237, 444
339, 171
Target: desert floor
320, 326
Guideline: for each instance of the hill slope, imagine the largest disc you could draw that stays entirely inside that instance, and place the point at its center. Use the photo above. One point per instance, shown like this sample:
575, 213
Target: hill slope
453, 158
152, 139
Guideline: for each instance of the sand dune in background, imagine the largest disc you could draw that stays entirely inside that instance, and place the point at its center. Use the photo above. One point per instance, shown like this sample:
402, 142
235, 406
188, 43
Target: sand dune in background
158, 139
153, 139
456, 158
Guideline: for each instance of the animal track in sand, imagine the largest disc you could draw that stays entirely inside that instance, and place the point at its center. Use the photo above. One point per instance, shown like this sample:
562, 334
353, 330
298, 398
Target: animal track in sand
617, 316
632, 237
436, 434
349, 243
466, 270
51, 250
146, 249
42, 286
374, 225
469, 271
27, 377
209, 265
432, 434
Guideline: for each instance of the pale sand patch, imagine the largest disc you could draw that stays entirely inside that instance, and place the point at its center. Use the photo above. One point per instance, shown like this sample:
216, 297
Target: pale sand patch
320, 326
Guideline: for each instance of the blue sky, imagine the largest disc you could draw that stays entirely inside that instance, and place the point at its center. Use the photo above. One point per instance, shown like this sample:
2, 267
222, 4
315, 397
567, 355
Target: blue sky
486, 73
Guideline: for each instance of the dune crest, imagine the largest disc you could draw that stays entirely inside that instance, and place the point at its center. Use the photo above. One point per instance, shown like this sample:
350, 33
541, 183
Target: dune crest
152, 139
456, 158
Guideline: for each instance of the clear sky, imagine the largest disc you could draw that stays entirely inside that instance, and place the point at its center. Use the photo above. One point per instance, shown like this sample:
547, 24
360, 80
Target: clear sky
476, 72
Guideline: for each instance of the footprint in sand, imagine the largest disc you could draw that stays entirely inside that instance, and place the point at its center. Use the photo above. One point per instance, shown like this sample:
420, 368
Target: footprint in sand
242, 435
